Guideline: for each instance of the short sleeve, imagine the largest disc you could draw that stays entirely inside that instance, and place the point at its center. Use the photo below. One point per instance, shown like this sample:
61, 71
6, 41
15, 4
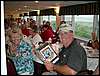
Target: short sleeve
75, 60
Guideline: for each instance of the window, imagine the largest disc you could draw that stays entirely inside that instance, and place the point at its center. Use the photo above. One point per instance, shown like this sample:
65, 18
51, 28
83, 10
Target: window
83, 26
33, 17
62, 18
21, 17
25, 17
68, 19
53, 22
97, 29
45, 18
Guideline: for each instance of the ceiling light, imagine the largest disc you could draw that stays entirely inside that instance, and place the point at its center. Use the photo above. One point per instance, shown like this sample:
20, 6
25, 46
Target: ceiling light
25, 6
36, 1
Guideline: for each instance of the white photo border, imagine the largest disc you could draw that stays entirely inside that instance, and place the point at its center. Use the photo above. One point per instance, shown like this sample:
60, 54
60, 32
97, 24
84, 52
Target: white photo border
51, 50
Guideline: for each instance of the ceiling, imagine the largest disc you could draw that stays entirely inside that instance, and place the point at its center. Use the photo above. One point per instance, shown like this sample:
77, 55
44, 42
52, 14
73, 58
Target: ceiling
19, 7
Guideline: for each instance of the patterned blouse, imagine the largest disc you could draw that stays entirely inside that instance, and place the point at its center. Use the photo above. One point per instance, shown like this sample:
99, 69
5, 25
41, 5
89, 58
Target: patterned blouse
24, 61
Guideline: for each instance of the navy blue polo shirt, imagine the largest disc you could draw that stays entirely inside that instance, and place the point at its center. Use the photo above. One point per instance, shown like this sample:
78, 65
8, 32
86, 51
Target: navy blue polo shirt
74, 56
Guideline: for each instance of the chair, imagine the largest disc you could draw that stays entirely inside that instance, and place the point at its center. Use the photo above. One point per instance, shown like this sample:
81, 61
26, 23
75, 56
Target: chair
39, 68
11, 70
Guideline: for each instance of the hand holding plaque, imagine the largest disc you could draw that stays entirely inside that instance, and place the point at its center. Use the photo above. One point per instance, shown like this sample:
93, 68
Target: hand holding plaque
46, 52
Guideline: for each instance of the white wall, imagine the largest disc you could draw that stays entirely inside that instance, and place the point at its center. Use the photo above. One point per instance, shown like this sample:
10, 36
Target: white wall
3, 51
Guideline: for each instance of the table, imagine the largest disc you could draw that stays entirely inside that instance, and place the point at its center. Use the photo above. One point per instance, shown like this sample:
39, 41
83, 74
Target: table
92, 58
92, 53
92, 63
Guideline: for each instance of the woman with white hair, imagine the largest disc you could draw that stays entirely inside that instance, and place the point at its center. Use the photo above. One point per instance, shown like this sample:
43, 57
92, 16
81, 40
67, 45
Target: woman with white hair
21, 54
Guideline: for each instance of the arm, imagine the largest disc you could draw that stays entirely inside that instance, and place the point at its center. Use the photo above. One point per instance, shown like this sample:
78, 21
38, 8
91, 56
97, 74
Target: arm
62, 69
65, 70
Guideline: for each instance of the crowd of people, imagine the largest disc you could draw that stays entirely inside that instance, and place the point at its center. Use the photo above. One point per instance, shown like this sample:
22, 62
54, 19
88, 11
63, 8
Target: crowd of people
23, 36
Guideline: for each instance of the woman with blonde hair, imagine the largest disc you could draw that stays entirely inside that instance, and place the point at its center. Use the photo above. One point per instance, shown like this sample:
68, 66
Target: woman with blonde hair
21, 54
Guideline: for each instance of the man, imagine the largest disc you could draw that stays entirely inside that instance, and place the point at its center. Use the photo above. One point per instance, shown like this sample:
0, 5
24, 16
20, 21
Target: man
72, 58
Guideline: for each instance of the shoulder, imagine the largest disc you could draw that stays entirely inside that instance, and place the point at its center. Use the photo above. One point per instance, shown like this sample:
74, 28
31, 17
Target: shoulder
76, 48
76, 45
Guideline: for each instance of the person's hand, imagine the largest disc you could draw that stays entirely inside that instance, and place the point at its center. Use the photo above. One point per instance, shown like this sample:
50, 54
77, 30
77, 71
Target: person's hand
33, 49
49, 65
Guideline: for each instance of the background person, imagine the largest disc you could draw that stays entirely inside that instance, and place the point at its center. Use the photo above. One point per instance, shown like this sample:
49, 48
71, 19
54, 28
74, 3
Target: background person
47, 33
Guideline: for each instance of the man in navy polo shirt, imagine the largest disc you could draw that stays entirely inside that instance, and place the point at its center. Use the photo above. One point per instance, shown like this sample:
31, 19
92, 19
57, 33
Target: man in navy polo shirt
72, 58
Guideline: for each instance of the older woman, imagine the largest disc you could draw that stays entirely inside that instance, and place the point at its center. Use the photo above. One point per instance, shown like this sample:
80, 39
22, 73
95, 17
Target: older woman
22, 55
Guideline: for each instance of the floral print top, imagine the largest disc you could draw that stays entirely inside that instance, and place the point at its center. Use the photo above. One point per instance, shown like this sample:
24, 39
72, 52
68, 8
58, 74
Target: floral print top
24, 61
